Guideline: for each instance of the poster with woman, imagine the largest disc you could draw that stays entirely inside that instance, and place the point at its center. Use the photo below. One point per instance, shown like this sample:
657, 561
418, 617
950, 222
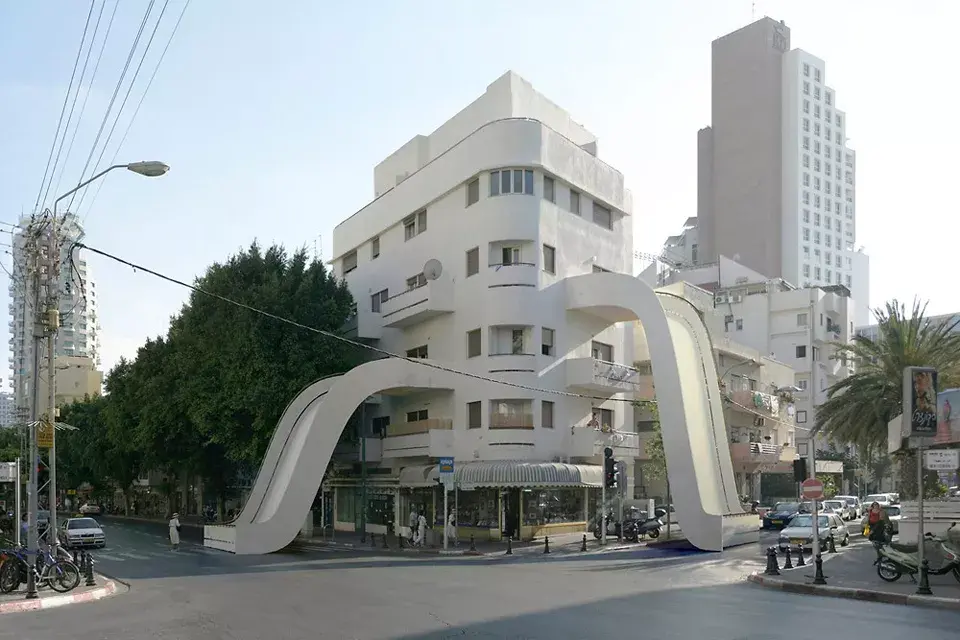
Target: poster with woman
948, 417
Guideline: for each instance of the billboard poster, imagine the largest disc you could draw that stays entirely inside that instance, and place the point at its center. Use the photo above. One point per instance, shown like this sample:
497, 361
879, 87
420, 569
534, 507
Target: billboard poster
920, 401
948, 417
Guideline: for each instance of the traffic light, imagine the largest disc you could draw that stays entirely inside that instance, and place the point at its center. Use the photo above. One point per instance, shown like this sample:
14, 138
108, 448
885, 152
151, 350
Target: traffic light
799, 469
609, 468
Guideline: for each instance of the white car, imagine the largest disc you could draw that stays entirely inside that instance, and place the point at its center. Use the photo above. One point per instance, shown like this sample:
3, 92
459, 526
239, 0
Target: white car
883, 499
840, 508
82, 533
90, 509
800, 531
853, 504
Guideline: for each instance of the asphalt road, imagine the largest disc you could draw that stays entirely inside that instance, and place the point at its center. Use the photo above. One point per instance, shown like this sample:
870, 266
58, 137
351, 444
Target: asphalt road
203, 595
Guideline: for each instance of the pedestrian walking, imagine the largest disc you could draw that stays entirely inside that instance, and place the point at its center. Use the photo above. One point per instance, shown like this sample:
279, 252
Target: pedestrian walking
175, 531
413, 522
421, 529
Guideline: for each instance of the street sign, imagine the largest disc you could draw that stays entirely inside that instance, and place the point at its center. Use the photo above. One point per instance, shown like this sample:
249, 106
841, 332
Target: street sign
71, 492
811, 489
446, 471
44, 435
942, 459
920, 401
8, 471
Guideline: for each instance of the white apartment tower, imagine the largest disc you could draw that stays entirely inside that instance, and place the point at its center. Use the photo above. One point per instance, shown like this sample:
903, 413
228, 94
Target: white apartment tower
79, 333
459, 260
777, 181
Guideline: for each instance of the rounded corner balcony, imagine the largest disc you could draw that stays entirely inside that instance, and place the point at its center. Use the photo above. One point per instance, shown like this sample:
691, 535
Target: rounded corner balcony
429, 300
695, 442
513, 274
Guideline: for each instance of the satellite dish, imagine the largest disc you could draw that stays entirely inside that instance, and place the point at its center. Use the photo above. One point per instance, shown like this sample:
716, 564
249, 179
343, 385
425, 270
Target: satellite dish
432, 269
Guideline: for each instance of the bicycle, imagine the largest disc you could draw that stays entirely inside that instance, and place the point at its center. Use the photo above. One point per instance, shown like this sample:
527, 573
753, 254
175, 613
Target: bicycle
60, 575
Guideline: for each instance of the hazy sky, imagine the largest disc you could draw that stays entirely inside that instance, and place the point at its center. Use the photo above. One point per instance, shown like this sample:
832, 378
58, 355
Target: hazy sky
273, 114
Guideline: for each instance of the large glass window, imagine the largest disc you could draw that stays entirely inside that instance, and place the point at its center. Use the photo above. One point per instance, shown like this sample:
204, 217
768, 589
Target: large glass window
379, 508
419, 500
552, 506
477, 508
346, 506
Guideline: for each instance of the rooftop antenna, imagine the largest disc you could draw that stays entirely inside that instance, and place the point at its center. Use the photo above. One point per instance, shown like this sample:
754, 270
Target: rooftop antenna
317, 248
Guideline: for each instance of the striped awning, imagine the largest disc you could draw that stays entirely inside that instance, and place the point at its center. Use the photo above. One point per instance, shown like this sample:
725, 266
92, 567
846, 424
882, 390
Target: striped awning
507, 474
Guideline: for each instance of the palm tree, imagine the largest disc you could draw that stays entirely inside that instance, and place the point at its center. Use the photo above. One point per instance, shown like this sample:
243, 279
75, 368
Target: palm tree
859, 407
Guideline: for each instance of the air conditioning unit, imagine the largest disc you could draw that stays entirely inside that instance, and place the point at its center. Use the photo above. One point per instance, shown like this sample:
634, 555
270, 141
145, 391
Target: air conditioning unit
738, 298
720, 299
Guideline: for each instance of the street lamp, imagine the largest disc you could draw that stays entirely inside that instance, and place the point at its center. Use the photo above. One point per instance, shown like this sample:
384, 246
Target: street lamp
50, 318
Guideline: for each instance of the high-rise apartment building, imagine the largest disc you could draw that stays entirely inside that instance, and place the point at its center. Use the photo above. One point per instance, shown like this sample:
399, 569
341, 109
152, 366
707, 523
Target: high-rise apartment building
79, 334
776, 179
8, 410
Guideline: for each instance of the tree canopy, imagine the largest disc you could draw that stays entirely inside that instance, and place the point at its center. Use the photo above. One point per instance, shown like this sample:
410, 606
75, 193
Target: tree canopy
205, 399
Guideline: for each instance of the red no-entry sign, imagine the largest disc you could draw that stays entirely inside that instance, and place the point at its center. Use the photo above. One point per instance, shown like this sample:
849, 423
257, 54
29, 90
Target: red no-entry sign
811, 489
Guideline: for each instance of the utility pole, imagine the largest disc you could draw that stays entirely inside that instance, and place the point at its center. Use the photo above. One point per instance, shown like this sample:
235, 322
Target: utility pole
34, 263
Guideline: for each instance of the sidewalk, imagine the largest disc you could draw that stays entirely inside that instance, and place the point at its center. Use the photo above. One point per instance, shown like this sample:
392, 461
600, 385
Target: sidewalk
563, 544
851, 574
16, 602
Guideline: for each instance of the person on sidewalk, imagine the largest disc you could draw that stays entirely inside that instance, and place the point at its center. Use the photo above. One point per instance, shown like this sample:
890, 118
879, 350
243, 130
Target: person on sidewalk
175, 531
877, 523
421, 530
450, 531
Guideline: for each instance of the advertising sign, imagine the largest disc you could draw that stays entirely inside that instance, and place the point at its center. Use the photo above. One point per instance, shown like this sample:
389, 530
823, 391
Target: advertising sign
920, 401
8, 471
948, 412
446, 471
45, 435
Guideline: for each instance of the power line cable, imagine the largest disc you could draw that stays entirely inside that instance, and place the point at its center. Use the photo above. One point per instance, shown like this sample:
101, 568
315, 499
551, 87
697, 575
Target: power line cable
136, 111
86, 95
113, 98
63, 109
126, 97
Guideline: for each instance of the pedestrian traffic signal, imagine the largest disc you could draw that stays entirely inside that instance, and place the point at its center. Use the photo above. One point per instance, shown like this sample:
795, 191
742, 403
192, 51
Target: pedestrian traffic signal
609, 472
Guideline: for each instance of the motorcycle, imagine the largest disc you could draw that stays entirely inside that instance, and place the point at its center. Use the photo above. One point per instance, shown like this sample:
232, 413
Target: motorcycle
613, 527
895, 559
651, 527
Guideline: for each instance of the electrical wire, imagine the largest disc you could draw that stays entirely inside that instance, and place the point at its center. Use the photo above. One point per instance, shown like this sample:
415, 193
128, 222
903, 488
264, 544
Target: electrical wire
113, 98
136, 111
66, 98
126, 96
93, 77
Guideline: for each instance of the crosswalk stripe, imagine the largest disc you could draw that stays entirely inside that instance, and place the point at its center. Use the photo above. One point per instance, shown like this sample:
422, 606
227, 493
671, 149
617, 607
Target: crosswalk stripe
134, 556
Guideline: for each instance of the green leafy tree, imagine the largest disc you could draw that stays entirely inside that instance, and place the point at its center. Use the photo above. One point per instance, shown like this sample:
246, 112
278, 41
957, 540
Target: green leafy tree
829, 481
859, 407
656, 465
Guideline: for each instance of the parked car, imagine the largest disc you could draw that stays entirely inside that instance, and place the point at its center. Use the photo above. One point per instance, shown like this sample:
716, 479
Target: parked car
82, 533
841, 508
853, 504
883, 499
893, 513
90, 509
780, 515
800, 531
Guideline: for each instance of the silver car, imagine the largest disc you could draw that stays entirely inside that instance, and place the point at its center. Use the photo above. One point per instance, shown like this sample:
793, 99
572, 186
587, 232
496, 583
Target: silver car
800, 531
840, 508
853, 503
82, 533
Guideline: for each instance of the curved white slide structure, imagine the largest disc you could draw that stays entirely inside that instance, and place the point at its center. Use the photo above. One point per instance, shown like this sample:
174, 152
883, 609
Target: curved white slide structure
691, 416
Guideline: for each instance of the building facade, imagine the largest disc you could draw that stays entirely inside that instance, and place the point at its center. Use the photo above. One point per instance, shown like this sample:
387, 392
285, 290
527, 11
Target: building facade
456, 260
8, 410
79, 334
776, 177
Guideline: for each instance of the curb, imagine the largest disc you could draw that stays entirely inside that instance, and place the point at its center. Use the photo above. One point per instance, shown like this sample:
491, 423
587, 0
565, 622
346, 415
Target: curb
456, 552
107, 590
849, 593
186, 525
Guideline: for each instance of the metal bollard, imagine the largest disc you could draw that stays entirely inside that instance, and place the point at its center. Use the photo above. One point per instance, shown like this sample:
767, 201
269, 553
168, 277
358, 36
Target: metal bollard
800, 561
373, 541
773, 566
831, 545
399, 540
509, 546
923, 587
583, 543
90, 581
473, 544
818, 576
546, 544
788, 561
385, 544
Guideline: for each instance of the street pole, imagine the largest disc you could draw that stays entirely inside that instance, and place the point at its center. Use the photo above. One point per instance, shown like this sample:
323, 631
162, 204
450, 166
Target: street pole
603, 511
445, 515
33, 542
811, 445
53, 321
924, 587
363, 477
19, 509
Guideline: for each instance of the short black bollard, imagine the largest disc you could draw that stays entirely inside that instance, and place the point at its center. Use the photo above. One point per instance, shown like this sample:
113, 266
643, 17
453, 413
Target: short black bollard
509, 545
831, 545
800, 561
373, 541
818, 576
473, 544
546, 544
90, 581
923, 589
773, 567
386, 545
399, 540
583, 543
788, 561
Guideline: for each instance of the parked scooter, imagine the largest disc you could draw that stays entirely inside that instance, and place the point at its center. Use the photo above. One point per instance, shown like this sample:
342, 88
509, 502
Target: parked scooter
895, 559
613, 527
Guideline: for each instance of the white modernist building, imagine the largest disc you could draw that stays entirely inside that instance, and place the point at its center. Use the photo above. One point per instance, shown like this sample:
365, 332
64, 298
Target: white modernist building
495, 259
79, 333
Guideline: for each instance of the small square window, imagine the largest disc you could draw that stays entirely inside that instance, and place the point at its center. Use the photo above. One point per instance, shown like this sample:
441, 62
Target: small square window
801, 350
574, 202
602, 216
802, 319
549, 259
546, 414
473, 191
802, 415
474, 415
474, 345
473, 261
739, 324
549, 189
349, 262
546, 341
378, 299
417, 352
375, 248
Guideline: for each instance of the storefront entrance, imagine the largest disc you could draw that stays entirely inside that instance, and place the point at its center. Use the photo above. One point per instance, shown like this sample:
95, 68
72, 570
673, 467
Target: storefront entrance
510, 499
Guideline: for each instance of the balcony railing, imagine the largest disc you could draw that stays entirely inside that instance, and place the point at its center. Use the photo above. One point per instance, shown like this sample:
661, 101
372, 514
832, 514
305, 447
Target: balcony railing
511, 421
763, 403
759, 452
418, 426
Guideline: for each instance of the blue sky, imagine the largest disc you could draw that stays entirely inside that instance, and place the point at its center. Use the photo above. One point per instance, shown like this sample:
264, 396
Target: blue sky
272, 116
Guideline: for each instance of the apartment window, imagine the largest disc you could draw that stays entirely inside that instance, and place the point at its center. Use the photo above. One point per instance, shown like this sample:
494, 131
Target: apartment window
816, 201
574, 202
474, 415
806, 197
379, 425
516, 342
509, 255
473, 191
838, 243
806, 69
802, 415
816, 93
601, 351
816, 146
604, 417
694, 250
806, 252
816, 164
801, 350
549, 189
473, 343
816, 183
417, 281
802, 319
602, 216
806, 125
849, 281
378, 299
414, 225
511, 181
837, 225
802, 384
806, 142
549, 259
839, 263
829, 275
417, 352
806, 106
828, 240
511, 414
816, 273
547, 341
816, 128
806, 234
816, 252
417, 416
829, 98
806, 270
739, 324
806, 179
816, 75
375, 248
816, 219
806, 216
349, 262
806, 88
546, 414
473, 261
806, 160
839, 119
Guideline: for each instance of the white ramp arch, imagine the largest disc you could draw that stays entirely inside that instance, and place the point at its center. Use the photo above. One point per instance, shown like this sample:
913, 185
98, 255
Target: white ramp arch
691, 416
